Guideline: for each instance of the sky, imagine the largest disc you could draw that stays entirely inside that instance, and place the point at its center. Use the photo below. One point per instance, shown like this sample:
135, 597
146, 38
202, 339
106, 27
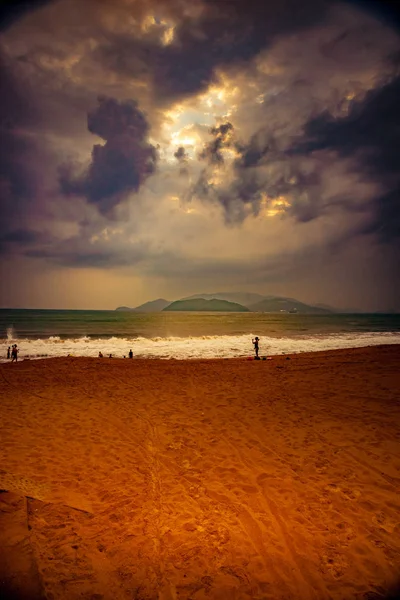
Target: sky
163, 148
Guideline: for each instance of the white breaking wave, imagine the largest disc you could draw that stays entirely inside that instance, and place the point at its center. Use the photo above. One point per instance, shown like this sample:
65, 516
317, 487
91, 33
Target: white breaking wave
227, 346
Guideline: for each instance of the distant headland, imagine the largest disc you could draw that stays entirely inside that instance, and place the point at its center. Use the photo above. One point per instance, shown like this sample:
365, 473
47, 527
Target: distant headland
231, 302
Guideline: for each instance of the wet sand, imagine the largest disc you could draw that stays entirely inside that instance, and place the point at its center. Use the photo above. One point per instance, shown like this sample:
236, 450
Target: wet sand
202, 480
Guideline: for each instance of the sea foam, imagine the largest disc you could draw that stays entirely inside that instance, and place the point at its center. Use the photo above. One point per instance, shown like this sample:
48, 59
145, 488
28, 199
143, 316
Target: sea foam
226, 346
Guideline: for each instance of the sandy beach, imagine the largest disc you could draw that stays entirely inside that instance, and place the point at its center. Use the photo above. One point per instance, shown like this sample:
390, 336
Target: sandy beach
203, 479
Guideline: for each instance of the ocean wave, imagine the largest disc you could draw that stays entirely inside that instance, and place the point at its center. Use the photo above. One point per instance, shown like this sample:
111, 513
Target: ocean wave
226, 346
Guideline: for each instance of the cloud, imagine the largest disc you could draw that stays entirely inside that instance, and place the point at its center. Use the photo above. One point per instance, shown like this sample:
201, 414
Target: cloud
11, 11
206, 35
19, 150
181, 154
119, 166
222, 139
370, 135
256, 103
318, 74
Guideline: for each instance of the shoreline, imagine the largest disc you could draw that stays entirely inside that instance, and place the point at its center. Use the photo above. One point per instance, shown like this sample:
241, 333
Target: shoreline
249, 357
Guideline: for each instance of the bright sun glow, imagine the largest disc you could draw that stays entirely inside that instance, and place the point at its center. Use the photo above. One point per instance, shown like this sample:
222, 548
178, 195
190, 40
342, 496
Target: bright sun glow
219, 100
181, 138
270, 207
186, 124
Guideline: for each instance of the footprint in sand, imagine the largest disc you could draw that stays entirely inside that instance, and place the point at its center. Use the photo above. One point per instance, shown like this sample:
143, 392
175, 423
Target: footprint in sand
334, 564
384, 522
346, 492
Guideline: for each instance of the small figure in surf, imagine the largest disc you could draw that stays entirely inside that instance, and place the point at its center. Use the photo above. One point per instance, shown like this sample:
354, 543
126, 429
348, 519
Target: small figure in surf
255, 343
14, 353
8, 352
100, 355
130, 354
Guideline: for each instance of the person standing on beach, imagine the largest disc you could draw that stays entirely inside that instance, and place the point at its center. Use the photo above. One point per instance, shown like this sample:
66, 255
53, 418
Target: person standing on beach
8, 352
14, 353
130, 354
255, 342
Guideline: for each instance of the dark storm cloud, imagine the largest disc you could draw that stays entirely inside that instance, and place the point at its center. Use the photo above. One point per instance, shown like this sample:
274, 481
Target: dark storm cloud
119, 166
371, 130
181, 154
222, 139
20, 236
24, 240
371, 134
234, 198
384, 10
182, 157
18, 177
366, 138
261, 168
12, 10
80, 252
261, 144
221, 34
86, 258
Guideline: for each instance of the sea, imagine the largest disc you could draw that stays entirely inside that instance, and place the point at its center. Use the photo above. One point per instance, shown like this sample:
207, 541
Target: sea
181, 335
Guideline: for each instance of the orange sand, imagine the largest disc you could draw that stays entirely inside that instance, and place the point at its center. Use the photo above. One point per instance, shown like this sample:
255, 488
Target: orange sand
201, 480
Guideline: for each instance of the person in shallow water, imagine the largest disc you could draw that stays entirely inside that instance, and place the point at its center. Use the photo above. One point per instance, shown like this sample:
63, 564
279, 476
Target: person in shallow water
14, 353
130, 354
255, 343
8, 352
100, 355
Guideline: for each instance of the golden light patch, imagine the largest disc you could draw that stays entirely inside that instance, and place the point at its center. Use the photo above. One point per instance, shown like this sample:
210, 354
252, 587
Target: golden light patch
216, 178
270, 207
164, 29
183, 138
148, 22
219, 96
168, 36
173, 114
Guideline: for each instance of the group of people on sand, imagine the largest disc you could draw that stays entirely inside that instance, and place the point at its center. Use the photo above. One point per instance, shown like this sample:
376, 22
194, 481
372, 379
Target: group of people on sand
12, 352
110, 355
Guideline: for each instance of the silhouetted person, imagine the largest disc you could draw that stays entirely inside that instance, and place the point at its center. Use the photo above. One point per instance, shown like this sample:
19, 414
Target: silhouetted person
110, 356
255, 342
8, 352
130, 354
14, 353
100, 355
